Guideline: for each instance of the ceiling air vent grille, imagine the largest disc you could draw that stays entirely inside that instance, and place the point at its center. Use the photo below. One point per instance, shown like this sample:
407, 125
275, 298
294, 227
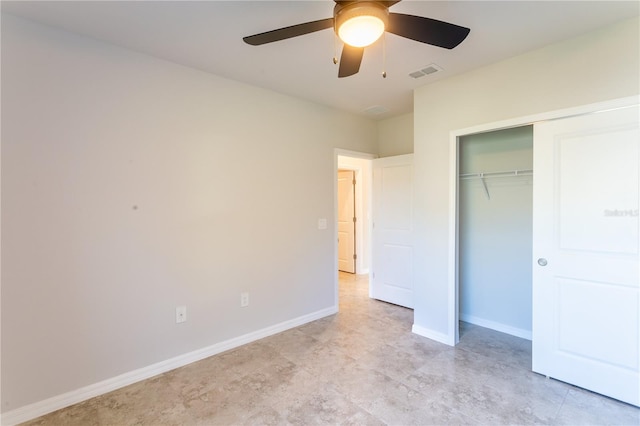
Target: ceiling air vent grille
429, 69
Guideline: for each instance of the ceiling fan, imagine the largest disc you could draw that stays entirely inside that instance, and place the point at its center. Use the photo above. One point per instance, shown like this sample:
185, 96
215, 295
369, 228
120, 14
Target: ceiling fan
361, 23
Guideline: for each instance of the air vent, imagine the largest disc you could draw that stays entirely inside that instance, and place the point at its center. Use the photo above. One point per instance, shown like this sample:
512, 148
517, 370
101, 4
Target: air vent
376, 110
429, 69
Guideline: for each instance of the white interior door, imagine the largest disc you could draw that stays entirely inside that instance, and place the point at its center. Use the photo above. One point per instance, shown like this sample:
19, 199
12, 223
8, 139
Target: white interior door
392, 247
586, 298
346, 221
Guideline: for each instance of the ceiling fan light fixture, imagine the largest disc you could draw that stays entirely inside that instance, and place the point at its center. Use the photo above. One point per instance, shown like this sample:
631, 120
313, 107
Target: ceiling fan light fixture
362, 23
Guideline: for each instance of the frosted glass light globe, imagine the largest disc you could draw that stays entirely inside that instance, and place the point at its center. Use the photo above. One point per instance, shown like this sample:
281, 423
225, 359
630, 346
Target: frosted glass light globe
361, 31
360, 24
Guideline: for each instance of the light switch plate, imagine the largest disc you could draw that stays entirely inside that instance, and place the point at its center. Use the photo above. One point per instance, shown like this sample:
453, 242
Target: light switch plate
322, 223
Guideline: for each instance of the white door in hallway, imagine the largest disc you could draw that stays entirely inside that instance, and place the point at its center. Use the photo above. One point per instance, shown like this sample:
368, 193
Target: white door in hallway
346, 221
392, 247
586, 316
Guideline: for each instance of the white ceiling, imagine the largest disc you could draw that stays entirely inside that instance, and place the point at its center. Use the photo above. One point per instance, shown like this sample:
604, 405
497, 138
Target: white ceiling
207, 35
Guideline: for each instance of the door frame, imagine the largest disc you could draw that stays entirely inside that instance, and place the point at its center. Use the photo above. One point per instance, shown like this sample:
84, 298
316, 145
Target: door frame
361, 210
453, 331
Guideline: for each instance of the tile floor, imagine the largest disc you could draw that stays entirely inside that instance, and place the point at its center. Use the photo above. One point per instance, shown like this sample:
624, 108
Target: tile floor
362, 366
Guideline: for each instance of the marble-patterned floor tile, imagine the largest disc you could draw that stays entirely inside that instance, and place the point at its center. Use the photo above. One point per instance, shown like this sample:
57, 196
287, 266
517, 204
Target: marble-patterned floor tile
417, 345
431, 413
588, 408
429, 383
293, 344
293, 389
267, 416
380, 327
392, 361
460, 365
83, 414
152, 401
402, 405
362, 385
535, 393
325, 328
325, 406
356, 344
362, 418
248, 357
229, 403
490, 406
496, 345
325, 360
198, 377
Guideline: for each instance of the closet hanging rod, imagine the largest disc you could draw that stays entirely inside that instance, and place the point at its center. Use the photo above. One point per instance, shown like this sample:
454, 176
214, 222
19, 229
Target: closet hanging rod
527, 172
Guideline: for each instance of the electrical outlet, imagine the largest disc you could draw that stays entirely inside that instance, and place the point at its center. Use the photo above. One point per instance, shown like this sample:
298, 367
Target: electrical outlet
181, 314
244, 300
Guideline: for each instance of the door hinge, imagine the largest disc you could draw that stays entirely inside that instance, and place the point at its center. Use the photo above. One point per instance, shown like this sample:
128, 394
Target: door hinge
354, 219
355, 256
354, 182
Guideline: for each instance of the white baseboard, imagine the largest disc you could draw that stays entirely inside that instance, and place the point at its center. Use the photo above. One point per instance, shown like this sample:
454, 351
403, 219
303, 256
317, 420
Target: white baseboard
503, 328
37, 409
433, 335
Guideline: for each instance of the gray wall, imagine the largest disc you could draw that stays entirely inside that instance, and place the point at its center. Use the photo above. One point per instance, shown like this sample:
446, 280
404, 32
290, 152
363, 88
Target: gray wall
495, 234
131, 185
554, 77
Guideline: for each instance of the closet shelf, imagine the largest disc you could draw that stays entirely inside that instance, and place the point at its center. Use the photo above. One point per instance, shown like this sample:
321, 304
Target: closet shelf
484, 175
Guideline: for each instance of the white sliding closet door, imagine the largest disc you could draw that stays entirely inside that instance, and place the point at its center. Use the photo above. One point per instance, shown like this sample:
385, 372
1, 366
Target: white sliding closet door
586, 302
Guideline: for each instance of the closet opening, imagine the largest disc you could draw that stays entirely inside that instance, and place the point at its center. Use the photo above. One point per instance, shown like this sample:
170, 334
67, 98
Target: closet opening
495, 213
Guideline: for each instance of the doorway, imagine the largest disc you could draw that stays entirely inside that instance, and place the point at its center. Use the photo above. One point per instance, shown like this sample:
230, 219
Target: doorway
359, 164
384, 223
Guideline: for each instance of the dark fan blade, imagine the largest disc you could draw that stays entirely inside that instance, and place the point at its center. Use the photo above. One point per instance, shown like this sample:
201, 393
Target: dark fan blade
350, 60
427, 30
289, 32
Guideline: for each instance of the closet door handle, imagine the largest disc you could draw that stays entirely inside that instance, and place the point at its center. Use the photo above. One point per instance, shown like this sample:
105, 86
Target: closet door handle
542, 261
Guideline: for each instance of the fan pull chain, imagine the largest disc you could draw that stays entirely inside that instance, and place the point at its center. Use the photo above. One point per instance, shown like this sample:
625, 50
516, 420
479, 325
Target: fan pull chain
384, 55
335, 48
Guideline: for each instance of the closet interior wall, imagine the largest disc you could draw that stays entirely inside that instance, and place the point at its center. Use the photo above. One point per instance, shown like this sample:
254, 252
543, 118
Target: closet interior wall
495, 230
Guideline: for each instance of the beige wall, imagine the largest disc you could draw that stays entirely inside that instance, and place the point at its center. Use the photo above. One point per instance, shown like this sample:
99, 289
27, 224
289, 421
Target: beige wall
130, 186
395, 136
598, 66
